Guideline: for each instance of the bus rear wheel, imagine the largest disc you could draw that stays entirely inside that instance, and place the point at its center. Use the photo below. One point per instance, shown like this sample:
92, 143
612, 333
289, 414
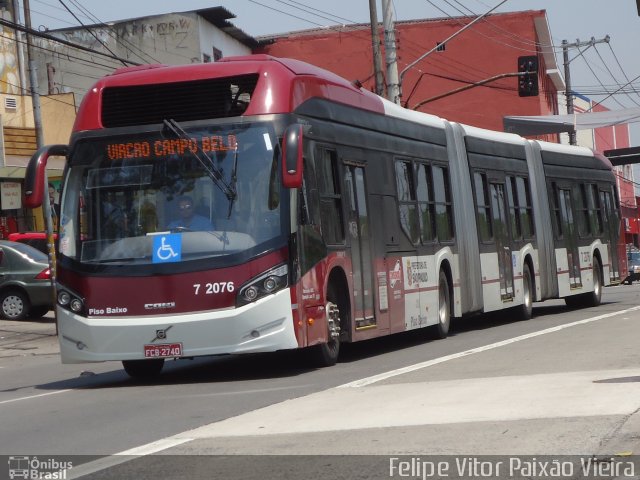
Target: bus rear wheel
444, 307
526, 309
594, 298
143, 369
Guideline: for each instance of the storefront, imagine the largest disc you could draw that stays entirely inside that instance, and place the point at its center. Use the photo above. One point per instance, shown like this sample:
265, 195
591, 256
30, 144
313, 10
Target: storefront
14, 217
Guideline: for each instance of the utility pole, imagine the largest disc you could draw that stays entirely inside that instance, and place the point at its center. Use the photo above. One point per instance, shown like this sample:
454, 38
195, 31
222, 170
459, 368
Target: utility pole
33, 78
393, 85
375, 42
20, 49
567, 74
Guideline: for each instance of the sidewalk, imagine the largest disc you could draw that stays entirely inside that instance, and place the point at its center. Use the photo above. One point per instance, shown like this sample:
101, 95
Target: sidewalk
28, 337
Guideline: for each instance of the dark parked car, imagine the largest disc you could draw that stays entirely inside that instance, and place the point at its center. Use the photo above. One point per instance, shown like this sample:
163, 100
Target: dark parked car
633, 260
25, 282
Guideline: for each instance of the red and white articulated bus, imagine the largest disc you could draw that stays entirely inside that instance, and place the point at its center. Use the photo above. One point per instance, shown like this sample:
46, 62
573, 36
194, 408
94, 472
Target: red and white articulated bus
258, 204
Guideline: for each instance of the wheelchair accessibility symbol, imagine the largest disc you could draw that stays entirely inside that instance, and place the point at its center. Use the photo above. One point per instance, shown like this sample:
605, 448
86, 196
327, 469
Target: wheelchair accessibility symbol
167, 248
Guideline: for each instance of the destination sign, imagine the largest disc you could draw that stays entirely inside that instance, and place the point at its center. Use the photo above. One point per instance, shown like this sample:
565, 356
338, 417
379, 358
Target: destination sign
164, 148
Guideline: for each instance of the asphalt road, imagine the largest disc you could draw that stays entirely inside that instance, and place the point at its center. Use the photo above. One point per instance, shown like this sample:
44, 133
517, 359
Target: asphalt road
565, 383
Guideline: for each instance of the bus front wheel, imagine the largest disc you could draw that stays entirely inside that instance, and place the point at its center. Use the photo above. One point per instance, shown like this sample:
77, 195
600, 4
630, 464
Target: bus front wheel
336, 311
143, 369
326, 354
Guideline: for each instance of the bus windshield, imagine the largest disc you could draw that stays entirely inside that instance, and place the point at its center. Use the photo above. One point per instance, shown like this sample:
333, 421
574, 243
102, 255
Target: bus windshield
217, 187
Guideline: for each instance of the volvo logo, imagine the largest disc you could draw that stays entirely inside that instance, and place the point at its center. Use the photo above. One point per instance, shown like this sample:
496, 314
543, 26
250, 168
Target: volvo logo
161, 334
159, 306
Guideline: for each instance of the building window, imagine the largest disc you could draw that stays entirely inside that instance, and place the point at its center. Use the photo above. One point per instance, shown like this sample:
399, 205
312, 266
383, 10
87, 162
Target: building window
217, 54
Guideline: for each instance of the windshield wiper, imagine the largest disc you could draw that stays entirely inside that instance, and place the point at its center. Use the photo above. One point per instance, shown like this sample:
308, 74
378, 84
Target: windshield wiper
234, 181
229, 189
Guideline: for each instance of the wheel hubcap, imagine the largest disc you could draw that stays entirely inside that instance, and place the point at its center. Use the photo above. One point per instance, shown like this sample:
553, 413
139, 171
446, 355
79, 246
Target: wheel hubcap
12, 306
333, 320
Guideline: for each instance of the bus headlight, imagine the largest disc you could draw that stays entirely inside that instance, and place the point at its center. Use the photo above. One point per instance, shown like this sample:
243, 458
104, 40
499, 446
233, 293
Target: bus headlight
70, 301
263, 285
76, 305
64, 298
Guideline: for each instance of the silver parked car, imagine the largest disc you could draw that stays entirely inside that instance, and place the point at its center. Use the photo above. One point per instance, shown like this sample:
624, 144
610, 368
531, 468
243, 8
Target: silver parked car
25, 282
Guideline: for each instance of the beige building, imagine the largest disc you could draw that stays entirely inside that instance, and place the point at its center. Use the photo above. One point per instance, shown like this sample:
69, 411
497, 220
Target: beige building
65, 73
174, 39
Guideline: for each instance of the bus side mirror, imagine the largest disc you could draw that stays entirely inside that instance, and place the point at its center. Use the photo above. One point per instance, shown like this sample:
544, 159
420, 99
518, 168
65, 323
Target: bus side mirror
292, 157
34, 178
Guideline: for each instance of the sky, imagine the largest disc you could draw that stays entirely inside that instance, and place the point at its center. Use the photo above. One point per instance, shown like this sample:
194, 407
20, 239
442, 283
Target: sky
594, 71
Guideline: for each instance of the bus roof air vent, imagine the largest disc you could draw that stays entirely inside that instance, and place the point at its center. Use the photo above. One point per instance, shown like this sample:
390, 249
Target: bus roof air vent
180, 101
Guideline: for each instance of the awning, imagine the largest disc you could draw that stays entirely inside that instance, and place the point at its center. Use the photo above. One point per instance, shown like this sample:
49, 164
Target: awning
539, 125
18, 172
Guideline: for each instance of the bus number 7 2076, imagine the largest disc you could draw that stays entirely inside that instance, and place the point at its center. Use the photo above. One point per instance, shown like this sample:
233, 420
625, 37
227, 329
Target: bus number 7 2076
214, 288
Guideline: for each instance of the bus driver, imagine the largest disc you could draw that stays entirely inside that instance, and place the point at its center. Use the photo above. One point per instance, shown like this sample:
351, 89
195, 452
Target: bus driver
189, 220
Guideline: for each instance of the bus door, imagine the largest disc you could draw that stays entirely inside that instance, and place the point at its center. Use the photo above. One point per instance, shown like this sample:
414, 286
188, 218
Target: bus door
359, 232
612, 229
570, 234
502, 237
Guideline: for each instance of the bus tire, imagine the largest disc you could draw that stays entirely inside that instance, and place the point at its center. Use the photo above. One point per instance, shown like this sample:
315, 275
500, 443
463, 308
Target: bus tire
589, 299
594, 298
326, 354
143, 369
444, 307
526, 309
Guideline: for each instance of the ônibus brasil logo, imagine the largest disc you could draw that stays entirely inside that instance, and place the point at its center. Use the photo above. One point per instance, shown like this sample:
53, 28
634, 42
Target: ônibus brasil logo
32, 468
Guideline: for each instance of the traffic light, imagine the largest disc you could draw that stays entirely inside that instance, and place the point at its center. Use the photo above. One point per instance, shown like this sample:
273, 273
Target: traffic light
528, 82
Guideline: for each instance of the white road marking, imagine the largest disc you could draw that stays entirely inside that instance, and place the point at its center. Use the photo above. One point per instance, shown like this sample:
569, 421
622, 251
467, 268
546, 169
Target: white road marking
34, 396
125, 456
418, 366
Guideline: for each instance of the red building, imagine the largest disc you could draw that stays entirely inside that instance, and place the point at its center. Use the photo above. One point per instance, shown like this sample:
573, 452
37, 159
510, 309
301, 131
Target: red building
611, 138
487, 49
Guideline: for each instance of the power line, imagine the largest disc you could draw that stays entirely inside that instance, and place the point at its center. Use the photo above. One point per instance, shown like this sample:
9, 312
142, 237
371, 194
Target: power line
611, 73
315, 9
90, 31
131, 47
619, 65
35, 33
285, 13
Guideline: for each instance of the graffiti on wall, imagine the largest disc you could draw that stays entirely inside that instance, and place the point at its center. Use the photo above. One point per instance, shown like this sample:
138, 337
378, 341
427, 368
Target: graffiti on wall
164, 35
9, 76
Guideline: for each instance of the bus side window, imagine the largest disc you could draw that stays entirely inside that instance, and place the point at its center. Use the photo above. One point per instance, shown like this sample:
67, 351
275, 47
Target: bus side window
331, 215
406, 192
596, 210
444, 208
308, 192
483, 208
